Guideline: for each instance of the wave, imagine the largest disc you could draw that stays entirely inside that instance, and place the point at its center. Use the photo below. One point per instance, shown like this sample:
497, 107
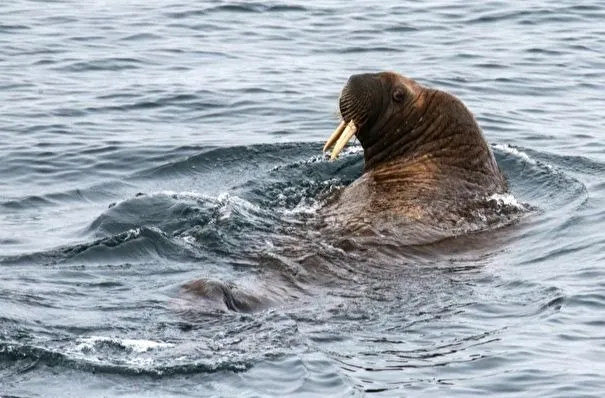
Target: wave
284, 187
99, 355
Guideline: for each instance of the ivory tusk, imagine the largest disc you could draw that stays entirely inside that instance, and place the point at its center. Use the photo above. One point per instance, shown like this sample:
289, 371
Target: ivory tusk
345, 137
335, 135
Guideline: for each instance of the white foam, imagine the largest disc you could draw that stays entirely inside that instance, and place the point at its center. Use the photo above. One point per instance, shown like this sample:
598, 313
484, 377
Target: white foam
353, 149
224, 201
506, 199
228, 202
185, 195
137, 352
514, 151
312, 159
193, 195
88, 344
133, 233
303, 208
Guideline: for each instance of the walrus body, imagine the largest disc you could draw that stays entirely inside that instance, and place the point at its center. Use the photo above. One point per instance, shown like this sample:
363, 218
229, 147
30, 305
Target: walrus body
428, 171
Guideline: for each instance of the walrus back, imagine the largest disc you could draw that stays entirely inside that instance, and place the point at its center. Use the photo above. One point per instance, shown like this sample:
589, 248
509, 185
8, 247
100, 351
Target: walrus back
429, 173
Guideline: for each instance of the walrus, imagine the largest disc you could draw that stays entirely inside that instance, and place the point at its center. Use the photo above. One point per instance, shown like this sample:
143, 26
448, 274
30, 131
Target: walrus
428, 171
428, 175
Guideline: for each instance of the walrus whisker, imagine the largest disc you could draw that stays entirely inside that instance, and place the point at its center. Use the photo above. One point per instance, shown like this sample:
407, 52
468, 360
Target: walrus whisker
345, 137
335, 135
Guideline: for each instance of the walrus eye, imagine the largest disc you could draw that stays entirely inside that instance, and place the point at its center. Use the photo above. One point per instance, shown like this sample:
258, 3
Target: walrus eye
398, 95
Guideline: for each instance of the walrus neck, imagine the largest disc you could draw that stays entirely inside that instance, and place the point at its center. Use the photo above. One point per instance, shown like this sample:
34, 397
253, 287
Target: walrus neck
431, 142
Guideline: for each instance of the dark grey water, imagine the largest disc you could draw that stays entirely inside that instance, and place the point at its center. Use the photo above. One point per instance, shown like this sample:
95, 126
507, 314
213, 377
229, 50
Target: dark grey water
145, 144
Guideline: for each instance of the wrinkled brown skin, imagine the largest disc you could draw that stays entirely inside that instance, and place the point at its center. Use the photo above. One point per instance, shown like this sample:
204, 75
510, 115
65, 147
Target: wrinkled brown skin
426, 162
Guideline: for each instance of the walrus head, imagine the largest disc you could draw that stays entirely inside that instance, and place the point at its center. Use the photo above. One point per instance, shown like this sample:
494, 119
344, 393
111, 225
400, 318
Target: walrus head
395, 118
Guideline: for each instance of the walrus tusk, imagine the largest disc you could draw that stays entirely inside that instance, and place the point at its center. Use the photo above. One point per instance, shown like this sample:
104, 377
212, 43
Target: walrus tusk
345, 137
335, 135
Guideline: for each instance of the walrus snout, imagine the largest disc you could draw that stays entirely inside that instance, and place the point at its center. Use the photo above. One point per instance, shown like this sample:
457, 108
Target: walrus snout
358, 102
357, 98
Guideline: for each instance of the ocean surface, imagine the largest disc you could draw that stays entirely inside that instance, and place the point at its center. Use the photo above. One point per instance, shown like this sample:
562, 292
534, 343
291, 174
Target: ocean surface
148, 144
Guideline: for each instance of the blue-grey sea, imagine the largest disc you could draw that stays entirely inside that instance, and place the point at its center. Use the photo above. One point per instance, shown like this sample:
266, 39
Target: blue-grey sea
145, 144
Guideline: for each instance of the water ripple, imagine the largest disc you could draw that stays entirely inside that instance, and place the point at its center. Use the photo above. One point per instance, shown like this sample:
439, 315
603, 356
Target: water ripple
148, 144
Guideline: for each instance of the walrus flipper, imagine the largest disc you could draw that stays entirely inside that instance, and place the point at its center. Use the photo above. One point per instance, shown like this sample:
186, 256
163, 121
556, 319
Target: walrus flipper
225, 296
